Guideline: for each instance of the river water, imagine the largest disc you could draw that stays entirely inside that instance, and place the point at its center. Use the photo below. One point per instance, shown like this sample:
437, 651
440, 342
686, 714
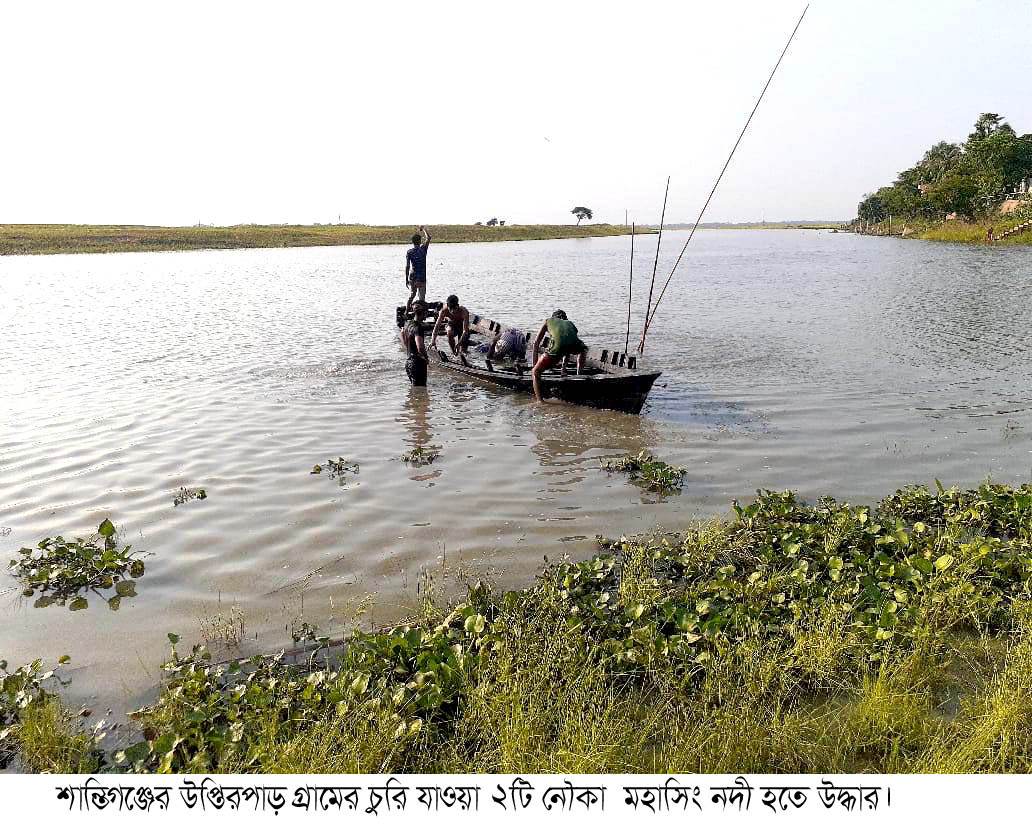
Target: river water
823, 362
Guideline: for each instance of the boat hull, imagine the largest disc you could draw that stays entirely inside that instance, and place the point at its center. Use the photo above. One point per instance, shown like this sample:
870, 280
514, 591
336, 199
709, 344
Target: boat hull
611, 391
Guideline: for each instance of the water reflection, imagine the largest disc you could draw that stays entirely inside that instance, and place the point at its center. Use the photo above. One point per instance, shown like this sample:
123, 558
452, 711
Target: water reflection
569, 441
415, 416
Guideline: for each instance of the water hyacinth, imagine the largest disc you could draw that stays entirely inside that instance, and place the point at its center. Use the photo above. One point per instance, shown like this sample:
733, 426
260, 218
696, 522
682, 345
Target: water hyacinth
338, 469
789, 638
61, 570
421, 455
184, 495
648, 472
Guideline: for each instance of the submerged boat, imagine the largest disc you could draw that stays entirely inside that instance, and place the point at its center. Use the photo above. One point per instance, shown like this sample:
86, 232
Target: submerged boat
611, 378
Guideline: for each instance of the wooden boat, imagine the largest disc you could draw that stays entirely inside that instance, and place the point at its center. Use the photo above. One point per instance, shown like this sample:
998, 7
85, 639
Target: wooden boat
611, 378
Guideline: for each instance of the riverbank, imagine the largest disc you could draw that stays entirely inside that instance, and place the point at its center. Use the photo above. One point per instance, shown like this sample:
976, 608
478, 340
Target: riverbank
768, 225
961, 232
791, 638
39, 239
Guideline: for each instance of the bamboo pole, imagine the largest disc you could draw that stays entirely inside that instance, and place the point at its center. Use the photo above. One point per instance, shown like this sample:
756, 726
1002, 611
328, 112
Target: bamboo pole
655, 264
630, 282
652, 314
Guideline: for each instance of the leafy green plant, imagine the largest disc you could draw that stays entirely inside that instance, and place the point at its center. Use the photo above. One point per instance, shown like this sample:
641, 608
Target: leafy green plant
792, 637
210, 714
421, 455
61, 570
186, 494
338, 469
648, 472
301, 631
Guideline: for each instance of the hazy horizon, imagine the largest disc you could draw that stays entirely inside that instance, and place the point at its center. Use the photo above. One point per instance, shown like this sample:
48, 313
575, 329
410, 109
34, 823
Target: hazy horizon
239, 114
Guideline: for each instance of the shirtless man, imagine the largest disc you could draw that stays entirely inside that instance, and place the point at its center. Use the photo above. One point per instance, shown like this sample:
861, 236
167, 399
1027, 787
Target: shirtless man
457, 318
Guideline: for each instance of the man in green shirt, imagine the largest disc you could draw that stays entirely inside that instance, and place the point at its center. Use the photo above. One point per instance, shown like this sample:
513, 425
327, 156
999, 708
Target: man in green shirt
563, 342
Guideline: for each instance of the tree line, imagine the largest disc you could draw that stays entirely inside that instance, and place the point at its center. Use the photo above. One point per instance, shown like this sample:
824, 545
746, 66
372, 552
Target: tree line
970, 179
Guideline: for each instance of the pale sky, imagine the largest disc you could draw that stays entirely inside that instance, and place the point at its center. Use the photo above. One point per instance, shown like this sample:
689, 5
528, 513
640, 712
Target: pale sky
452, 112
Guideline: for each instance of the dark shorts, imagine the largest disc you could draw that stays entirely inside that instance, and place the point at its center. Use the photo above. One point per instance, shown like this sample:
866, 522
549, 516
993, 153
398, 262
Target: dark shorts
558, 350
457, 333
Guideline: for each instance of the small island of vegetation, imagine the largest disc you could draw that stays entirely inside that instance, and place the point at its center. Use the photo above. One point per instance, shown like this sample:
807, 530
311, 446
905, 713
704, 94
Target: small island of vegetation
960, 191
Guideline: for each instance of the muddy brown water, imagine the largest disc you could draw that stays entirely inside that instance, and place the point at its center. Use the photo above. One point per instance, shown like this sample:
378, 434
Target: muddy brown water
816, 361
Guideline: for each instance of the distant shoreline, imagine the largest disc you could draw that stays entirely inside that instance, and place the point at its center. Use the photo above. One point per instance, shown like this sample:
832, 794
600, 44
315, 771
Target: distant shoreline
53, 239
958, 232
766, 225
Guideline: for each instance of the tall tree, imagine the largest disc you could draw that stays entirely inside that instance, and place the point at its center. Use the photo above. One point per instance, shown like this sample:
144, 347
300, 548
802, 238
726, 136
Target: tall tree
941, 160
986, 125
581, 213
955, 194
872, 209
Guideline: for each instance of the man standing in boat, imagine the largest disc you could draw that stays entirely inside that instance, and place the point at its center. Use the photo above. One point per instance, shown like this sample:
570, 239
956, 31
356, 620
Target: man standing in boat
562, 342
415, 266
457, 318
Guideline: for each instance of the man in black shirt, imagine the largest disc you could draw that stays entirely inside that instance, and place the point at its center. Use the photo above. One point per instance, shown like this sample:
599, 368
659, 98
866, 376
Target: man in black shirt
415, 347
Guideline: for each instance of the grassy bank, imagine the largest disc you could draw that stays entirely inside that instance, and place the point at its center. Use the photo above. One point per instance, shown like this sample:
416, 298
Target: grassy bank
790, 638
962, 232
29, 239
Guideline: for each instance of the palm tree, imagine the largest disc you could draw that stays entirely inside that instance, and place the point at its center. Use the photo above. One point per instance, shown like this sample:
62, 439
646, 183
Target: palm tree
941, 160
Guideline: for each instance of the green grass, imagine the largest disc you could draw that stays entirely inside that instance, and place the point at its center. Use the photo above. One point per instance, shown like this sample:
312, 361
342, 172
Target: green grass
958, 232
26, 239
51, 741
790, 638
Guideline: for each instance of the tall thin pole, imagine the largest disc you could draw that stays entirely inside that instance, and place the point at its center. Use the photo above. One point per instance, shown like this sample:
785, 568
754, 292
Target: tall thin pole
655, 264
652, 314
630, 281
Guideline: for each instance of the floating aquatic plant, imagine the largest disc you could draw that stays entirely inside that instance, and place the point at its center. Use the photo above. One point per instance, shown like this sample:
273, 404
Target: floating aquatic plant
338, 469
648, 472
187, 494
301, 631
61, 570
422, 455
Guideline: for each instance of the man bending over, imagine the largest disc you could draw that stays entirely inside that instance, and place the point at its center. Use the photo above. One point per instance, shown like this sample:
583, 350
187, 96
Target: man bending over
563, 342
457, 318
